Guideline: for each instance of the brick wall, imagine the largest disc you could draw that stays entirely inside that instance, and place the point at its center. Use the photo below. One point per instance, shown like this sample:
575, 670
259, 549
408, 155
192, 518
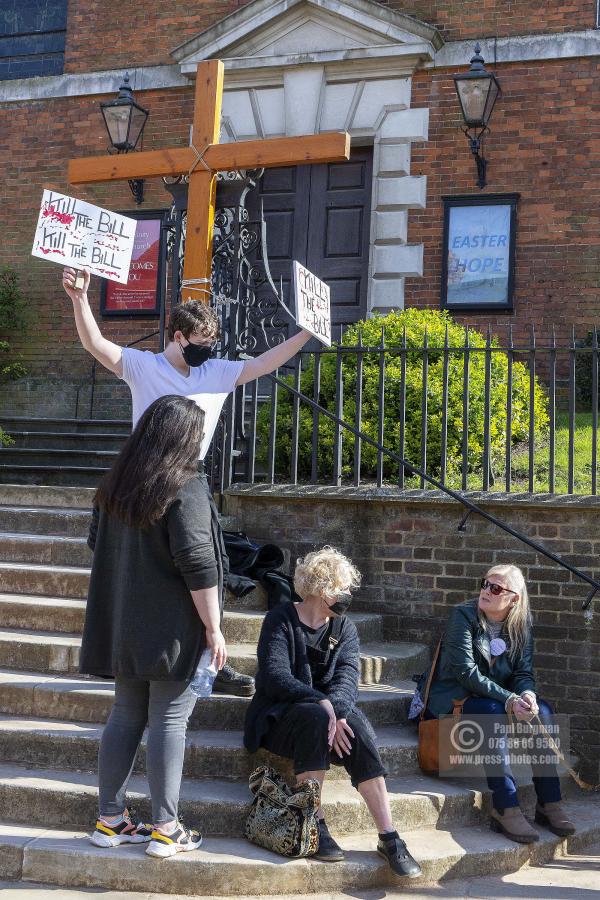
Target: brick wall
544, 146
145, 33
416, 565
36, 141
462, 19
135, 34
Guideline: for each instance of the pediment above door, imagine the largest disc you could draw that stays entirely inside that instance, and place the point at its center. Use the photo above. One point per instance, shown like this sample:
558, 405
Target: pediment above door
265, 34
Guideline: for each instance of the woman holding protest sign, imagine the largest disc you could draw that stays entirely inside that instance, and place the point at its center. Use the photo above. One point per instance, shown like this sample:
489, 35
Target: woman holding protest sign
483, 671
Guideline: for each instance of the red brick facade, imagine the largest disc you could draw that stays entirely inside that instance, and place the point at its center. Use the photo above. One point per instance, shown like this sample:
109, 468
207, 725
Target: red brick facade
545, 144
464, 19
145, 33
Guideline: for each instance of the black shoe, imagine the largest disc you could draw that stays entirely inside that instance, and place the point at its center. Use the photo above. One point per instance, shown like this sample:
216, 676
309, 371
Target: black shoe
328, 850
228, 681
392, 848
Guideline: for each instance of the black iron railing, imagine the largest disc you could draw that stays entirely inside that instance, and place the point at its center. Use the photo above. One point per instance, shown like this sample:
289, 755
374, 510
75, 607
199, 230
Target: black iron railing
273, 447
504, 416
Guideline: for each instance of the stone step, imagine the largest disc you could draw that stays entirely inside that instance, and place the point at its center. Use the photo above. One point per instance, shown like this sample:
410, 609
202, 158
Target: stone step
46, 521
44, 613
59, 550
45, 580
53, 476
37, 743
31, 456
67, 799
36, 650
65, 498
379, 663
66, 440
73, 699
234, 867
81, 426
72, 582
54, 614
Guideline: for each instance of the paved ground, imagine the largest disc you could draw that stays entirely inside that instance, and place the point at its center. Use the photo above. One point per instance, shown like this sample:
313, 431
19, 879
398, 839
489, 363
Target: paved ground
574, 877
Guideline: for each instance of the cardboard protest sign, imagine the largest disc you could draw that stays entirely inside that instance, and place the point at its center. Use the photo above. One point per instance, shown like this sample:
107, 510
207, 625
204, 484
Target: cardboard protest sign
312, 303
75, 233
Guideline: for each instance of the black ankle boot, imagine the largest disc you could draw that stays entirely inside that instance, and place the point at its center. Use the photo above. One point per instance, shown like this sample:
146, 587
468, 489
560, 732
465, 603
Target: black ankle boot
329, 850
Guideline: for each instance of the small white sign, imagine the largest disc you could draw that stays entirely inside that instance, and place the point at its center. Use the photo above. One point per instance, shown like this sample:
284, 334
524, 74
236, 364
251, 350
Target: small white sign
312, 303
74, 233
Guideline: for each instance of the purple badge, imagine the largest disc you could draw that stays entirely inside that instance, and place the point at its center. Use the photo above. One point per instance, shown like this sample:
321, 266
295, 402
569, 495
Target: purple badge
497, 646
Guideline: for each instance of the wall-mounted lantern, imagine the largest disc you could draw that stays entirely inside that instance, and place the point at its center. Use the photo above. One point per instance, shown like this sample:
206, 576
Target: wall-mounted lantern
477, 92
125, 120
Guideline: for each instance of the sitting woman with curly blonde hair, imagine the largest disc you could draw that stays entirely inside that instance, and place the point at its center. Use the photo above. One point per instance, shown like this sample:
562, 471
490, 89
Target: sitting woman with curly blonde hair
306, 695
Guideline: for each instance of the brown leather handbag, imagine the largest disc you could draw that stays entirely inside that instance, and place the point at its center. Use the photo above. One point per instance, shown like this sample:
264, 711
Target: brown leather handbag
430, 731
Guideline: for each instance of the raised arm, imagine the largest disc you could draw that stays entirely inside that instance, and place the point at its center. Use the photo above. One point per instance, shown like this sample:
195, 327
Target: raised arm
272, 359
107, 353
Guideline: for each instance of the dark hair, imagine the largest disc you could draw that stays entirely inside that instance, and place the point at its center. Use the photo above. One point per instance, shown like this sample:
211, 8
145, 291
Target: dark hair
157, 459
194, 317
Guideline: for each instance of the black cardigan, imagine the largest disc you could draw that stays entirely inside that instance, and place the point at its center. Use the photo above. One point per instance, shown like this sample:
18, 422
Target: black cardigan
141, 621
284, 675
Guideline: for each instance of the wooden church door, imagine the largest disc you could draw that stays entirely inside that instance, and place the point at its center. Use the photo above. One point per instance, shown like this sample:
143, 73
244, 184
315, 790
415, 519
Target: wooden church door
320, 215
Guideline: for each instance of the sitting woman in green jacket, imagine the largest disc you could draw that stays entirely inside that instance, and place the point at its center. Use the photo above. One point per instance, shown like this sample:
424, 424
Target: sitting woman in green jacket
486, 660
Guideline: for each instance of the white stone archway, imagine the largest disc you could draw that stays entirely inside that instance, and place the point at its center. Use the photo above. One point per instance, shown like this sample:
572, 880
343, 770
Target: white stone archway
311, 66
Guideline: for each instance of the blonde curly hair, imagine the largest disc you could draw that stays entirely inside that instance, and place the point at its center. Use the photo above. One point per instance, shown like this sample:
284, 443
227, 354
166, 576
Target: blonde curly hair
325, 573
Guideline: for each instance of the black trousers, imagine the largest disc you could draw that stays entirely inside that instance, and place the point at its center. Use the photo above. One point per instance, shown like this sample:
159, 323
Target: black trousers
301, 735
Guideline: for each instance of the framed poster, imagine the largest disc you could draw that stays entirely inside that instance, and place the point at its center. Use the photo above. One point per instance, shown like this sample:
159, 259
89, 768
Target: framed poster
478, 259
143, 294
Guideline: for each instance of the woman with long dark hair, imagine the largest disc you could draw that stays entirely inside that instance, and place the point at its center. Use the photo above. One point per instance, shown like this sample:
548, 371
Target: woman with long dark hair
153, 606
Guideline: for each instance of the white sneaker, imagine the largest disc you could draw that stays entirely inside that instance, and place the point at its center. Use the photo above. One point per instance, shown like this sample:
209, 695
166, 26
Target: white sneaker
182, 840
125, 832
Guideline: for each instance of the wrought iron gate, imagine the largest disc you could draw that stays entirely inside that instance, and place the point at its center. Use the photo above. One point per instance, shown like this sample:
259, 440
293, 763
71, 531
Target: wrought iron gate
242, 291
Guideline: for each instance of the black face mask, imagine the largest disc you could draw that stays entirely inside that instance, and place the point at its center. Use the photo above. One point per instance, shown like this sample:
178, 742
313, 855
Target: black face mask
340, 606
194, 355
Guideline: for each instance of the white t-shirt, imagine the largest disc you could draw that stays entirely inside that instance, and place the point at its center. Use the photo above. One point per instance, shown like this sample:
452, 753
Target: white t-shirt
150, 376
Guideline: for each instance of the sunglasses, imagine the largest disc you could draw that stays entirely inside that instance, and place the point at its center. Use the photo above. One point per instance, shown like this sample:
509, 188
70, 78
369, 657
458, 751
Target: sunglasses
495, 589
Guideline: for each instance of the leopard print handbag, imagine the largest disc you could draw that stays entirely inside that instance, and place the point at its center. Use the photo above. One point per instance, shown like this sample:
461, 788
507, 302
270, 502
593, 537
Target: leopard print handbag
283, 819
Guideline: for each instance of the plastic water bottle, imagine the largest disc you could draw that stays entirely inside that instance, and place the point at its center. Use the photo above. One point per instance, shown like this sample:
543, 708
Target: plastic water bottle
204, 676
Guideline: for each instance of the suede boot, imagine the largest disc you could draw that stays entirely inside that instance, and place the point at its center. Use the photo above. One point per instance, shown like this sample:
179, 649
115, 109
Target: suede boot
553, 816
512, 823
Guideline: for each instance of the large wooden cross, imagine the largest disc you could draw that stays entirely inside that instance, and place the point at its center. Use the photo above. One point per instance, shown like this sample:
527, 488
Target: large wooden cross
201, 161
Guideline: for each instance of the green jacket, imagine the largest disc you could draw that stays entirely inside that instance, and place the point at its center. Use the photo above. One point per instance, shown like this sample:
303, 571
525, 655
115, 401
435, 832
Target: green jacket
463, 667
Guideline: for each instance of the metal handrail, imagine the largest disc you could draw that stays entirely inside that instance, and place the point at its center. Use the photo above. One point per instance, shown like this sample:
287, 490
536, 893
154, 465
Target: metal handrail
415, 470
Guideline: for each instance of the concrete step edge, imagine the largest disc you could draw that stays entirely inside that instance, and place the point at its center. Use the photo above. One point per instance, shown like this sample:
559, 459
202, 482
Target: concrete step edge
25, 537
70, 800
235, 867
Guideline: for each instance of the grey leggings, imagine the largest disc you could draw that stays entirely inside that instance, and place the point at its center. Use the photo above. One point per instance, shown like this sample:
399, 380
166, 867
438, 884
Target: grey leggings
166, 707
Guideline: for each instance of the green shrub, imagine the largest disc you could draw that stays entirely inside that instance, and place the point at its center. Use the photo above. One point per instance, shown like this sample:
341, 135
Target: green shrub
14, 316
414, 324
